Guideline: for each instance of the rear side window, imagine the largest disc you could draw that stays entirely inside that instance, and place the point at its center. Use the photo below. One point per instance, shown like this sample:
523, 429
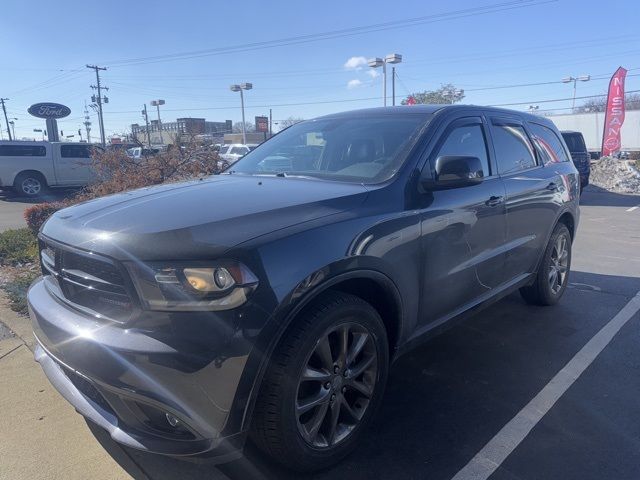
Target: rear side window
469, 141
22, 151
514, 151
575, 142
75, 151
548, 143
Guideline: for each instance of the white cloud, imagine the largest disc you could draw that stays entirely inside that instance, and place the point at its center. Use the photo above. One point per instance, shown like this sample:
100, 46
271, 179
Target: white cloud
355, 63
355, 83
373, 73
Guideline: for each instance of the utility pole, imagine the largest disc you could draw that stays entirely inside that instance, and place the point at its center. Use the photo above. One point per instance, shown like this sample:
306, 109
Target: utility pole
87, 123
270, 123
146, 121
4, 109
393, 86
99, 99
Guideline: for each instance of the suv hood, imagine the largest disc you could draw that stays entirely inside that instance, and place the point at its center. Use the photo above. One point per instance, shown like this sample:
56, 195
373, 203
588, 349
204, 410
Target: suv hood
197, 219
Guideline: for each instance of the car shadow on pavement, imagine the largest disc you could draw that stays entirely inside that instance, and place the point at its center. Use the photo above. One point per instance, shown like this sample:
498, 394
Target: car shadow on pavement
54, 195
448, 397
599, 197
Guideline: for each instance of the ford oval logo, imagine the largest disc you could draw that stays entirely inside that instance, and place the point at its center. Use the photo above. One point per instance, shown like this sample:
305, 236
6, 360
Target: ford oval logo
49, 110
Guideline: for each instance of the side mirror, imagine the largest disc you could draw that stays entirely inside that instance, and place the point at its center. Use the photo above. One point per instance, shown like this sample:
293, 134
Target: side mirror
455, 171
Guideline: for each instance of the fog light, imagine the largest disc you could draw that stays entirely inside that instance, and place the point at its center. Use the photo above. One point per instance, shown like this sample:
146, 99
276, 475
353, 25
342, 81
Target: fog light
173, 421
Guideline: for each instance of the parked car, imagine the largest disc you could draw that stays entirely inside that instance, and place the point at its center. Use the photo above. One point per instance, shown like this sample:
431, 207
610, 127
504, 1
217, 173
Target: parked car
233, 152
30, 168
184, 330
139, 152
579, 154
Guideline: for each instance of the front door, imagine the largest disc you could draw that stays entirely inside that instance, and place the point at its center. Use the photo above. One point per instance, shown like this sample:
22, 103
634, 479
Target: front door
463, 230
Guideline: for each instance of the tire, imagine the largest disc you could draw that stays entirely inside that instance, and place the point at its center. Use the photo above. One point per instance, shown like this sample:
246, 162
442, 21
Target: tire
30, 184
548, 287
279, 428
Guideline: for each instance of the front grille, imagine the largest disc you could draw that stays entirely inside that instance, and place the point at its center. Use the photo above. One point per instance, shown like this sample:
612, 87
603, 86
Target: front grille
90, 282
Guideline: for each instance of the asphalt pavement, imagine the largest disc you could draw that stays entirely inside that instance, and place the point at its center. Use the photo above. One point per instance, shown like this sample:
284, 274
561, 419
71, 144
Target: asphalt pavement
12, 207
451, 405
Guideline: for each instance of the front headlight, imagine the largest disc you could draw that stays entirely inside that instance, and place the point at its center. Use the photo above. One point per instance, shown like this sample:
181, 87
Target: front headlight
201, 286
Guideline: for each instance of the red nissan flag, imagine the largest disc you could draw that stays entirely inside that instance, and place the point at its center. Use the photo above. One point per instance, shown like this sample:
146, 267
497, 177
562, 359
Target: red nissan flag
614, 116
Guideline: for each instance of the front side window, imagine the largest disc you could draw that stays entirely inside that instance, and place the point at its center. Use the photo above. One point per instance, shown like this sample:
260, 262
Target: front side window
351, 149
548, 143
468, 141
514, 151
22, 151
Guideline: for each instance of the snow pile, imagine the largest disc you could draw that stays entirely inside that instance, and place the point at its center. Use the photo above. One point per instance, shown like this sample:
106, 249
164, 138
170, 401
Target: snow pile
615, 175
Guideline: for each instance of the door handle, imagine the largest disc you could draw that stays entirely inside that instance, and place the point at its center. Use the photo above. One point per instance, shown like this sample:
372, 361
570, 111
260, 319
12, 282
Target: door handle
494, 201
553, 186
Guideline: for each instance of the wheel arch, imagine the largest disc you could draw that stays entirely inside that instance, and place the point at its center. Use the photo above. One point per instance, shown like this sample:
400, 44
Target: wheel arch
372, 286
30, 171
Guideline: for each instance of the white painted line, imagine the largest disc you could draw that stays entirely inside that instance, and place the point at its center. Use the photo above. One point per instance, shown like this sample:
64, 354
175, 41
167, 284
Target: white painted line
633, 208
513, 433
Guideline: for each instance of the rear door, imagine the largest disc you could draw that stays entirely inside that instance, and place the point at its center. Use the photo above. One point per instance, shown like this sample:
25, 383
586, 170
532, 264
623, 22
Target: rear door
463, 229
73, 164
533, 193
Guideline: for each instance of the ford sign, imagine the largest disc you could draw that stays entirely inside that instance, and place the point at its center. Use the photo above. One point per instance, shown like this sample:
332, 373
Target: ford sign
49, 110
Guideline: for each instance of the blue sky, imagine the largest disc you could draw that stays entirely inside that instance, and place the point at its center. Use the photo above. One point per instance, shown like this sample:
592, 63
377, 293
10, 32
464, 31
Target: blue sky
44, 53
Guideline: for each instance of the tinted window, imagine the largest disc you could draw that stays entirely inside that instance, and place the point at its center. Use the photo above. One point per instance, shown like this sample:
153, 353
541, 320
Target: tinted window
358, 149
575, 142
23, 150
513, 149
75, 151
549, 145
469, 141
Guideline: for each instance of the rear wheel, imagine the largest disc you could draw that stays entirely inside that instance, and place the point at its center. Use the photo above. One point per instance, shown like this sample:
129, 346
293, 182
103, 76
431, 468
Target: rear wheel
30, 184
325, 381
553, 273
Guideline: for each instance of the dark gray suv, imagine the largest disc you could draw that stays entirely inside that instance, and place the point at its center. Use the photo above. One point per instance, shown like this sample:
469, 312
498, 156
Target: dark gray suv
266, 303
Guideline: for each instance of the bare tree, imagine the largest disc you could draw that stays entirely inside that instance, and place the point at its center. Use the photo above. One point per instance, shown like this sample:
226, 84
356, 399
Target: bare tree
447, 93
287, 122
631, 102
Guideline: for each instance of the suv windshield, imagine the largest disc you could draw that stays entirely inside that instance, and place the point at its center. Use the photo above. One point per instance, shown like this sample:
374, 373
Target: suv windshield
357, 149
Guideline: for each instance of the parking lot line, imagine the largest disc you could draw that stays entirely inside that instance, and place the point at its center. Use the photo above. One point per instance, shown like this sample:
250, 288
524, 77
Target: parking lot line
487, 460
633, 208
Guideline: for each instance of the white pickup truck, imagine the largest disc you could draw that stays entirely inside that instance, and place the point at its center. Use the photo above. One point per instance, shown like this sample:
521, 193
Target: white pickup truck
31, 167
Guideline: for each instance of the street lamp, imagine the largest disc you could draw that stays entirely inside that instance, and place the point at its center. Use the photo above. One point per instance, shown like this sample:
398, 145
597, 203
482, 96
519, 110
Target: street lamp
533, 108
13, 127
240, 88
582, 78
392, 58
157, 103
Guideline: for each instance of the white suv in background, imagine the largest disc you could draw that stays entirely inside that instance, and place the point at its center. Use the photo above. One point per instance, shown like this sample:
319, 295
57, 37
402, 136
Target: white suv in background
231, 153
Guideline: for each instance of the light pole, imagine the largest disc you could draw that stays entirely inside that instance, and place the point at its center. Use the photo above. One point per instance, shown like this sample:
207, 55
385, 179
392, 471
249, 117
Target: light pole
157, 103
392, 58
582, 78
452, 94
240, 88
533, 108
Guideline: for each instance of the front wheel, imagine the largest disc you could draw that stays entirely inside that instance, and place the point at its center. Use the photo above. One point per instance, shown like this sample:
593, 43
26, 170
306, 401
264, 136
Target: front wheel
324, 382
553, 272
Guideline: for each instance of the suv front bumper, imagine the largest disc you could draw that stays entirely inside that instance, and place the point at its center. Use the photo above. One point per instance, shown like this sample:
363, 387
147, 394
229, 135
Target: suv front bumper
126, 381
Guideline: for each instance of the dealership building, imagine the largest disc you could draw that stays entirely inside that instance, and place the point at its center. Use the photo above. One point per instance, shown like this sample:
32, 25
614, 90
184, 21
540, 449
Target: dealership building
183, 129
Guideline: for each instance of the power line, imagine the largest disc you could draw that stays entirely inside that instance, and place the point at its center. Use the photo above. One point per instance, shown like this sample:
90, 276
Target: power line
334, 34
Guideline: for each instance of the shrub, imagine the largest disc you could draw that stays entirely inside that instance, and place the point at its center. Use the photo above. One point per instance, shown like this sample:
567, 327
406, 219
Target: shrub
17, 291
18, 246
36, 215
